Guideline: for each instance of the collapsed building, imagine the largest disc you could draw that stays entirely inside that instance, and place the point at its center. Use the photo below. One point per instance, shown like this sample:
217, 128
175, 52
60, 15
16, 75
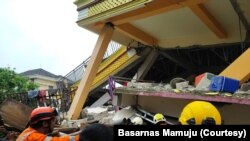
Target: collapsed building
169, 52
162, 40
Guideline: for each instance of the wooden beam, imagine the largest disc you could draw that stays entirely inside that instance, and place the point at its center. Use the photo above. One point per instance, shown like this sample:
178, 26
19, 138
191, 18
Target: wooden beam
209, 20
239, 69
135, 33
154, 8
90, 73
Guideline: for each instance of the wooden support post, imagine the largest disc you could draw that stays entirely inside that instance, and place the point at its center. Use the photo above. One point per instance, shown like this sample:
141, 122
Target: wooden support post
90, 73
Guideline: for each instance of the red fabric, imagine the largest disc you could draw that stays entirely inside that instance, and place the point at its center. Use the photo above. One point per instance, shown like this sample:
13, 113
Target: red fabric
42, 95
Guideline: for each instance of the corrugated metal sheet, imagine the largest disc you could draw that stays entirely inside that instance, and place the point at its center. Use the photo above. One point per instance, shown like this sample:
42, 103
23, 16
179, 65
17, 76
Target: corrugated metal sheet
113, 67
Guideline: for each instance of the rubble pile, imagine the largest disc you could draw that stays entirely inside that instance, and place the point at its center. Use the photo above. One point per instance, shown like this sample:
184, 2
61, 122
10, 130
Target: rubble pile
89, 115
182, 86
7, 133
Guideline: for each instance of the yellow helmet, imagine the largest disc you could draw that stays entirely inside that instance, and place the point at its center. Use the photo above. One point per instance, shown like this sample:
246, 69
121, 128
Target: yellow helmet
159, 118
200, 113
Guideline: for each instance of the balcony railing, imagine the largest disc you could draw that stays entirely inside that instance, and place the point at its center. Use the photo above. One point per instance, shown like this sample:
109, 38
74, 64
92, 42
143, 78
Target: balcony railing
77, 73
91, 11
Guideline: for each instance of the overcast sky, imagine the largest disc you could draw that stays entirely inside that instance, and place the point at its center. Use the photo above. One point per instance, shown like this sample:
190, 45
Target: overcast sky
42, 34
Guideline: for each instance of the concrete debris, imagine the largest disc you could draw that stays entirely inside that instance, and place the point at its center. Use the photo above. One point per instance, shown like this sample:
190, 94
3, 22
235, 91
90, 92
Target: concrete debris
95, 110
242, 94
245, 87
158, 88
108, 119
167, 87
124, 113
138, 85
90, 115
71, 124
182, 85
176, 80
84, 114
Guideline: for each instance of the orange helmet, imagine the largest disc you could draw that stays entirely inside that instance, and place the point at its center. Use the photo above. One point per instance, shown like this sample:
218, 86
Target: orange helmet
42, 113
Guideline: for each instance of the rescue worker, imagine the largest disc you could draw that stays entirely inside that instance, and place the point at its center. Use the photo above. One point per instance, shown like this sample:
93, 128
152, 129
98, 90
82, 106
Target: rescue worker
137, 121
41, 124
200, 113
159, 119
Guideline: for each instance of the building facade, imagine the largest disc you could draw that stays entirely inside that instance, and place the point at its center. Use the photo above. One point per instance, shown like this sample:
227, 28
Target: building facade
43, 78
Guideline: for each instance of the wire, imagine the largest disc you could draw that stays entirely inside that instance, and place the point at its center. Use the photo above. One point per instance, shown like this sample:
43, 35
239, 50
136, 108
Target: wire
241, 40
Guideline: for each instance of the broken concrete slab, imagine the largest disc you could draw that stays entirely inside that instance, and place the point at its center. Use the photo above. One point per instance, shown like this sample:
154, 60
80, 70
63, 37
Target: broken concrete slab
95, 110
182, 85
127, 112
176, 80
102, 100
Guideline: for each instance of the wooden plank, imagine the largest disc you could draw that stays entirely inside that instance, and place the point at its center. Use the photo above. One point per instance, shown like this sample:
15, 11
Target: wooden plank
240, 68
90, 73
209, 20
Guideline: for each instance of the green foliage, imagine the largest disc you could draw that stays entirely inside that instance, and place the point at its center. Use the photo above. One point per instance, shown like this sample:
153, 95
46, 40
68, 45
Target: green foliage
2, 135
11, 82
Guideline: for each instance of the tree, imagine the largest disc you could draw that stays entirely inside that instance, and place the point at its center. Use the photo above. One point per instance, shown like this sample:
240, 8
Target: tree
11, 82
